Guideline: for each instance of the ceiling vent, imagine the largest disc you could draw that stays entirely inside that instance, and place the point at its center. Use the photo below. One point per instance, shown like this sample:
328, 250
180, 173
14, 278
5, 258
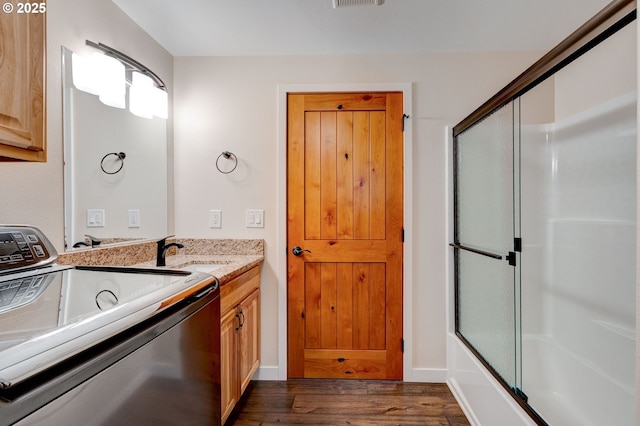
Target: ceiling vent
345, 3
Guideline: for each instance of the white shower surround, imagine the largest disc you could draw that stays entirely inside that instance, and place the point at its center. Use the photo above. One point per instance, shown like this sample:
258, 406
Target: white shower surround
578, 266
578, 280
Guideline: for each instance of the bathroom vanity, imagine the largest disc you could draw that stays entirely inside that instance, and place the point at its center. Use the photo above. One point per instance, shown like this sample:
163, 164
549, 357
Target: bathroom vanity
236, 264
239, 336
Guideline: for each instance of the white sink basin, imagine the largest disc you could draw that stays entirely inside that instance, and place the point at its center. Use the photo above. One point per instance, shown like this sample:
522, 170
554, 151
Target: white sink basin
203, 267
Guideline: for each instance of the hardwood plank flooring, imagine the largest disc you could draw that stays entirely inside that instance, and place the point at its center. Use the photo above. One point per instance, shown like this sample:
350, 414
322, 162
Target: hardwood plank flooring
346, 402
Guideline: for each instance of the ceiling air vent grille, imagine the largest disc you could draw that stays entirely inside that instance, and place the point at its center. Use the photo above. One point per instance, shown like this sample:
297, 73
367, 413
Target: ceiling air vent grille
345, 3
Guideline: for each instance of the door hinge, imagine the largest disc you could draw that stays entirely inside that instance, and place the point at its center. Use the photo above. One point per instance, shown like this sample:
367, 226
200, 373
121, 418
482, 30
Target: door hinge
517, 244
402, 236
402, 345
404, 117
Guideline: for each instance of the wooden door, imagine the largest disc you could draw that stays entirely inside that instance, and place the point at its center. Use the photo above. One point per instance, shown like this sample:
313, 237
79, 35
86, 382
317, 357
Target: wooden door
344, 209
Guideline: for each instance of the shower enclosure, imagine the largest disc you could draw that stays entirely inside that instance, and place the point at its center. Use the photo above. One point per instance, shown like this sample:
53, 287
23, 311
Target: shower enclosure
545, 229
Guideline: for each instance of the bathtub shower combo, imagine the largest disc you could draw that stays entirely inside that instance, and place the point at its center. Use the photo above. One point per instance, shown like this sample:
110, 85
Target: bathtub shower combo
545, 229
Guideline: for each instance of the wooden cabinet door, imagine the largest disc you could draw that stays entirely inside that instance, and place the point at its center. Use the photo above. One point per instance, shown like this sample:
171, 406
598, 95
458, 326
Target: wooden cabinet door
229, 325
22, 80
249, 311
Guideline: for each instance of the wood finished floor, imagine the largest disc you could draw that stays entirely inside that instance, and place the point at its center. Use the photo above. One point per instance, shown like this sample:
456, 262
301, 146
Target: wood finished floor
346, 402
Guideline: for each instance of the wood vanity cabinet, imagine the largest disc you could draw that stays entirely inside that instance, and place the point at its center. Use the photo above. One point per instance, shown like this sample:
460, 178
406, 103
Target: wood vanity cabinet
22, 86
239, 336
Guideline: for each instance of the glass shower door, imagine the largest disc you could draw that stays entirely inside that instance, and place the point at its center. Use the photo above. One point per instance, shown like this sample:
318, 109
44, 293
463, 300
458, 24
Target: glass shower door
486, 199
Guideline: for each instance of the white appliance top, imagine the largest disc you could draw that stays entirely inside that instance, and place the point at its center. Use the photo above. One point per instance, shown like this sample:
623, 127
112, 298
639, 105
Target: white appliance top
50, 313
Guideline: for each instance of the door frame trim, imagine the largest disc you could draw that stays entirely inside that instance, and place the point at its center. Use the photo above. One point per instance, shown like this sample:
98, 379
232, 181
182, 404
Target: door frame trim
283, 90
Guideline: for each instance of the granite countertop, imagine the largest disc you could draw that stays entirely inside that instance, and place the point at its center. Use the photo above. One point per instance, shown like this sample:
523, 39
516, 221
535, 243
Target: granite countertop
232, 265
235, 255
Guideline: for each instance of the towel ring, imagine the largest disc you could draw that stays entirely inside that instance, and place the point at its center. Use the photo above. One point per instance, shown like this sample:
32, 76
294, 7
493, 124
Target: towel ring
119, 155
109, 292
227, 155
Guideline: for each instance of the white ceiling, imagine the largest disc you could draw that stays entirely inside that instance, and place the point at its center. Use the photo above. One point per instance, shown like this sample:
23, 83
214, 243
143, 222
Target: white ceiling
274, 27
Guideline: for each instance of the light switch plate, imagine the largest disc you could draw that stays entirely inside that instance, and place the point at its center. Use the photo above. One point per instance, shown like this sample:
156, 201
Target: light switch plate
215, 218
255, 218
95, 218
134, 218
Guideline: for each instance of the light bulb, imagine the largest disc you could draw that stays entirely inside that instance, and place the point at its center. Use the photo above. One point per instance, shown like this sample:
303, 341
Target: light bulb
111, 75
140, 95
160, 103
83, 74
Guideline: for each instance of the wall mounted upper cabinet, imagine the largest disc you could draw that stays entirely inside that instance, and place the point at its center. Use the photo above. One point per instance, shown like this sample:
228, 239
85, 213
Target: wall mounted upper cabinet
22, 86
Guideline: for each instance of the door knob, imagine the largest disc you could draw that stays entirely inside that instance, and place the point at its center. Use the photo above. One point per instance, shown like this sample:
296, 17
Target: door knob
297, 251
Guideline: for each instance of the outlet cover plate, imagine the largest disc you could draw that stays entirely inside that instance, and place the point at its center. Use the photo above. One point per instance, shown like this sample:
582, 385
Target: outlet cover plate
255, 218
134, 218
215, 218
95, 218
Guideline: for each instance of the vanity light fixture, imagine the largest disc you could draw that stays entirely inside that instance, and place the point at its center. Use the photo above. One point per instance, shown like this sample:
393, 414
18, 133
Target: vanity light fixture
106, 75
110, 74
140, 96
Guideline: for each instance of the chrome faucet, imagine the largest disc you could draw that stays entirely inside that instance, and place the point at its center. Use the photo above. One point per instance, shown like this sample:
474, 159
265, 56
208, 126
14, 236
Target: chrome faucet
162, 250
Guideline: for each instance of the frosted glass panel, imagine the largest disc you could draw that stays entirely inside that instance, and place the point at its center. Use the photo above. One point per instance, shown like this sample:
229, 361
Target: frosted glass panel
486, 310
484, 221
484, 193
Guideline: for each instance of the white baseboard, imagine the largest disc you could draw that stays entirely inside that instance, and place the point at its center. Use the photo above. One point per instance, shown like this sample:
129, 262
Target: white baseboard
427, 375
267, 372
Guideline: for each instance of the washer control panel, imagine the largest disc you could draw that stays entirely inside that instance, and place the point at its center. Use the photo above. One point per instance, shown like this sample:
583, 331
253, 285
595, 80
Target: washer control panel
23, 247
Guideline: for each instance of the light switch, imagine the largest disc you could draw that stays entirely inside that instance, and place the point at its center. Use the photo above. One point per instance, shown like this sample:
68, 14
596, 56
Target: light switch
134, 218
95, 218
255, 218
215, 218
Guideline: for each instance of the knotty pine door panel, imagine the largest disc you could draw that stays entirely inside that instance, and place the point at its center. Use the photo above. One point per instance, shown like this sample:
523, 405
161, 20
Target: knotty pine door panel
345, 208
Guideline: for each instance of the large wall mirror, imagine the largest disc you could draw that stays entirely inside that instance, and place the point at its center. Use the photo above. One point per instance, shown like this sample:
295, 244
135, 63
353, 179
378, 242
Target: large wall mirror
108, 195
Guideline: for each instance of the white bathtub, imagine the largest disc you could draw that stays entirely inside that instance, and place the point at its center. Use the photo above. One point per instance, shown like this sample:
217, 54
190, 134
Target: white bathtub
484, 401
568, 390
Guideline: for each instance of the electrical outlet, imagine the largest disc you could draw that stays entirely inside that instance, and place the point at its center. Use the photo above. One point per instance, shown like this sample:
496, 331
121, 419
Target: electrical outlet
215, 218
134, 218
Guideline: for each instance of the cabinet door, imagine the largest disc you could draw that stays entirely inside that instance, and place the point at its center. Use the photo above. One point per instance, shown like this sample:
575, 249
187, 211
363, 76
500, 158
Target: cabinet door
249, 311
22, 100
228, 363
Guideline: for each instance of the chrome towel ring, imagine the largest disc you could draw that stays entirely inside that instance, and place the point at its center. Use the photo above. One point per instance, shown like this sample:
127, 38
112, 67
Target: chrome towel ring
227, 155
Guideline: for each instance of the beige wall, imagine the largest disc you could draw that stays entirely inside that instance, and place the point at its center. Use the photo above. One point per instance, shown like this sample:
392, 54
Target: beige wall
230, 103
33, 192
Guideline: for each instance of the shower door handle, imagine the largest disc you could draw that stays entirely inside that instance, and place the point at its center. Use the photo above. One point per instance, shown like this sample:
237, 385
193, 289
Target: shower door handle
477, 251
